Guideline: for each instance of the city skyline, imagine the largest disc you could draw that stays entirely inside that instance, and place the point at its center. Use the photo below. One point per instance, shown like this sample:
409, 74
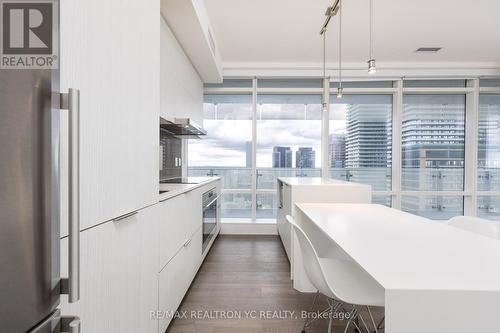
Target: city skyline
360, 150
229, 142
305, 158
282, 157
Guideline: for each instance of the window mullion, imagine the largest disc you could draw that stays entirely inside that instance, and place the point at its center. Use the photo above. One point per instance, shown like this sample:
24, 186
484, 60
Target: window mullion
471, 148
397, 112
325, 132
254, 149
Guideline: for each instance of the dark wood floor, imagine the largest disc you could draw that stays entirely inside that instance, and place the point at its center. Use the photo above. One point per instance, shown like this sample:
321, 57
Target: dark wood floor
247, 273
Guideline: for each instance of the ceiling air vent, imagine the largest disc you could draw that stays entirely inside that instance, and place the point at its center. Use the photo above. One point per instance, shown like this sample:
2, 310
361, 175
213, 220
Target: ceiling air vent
428, 49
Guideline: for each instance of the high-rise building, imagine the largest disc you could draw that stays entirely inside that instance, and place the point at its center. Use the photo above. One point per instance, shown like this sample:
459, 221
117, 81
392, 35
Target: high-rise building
489, 156
336, 150
431, 138
305, 157
489, 136
282, 157
432, 148
248, 151
369, 137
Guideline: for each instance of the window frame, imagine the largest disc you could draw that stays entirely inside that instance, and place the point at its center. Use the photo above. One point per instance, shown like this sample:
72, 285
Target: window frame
470, 115
472, 91
477, 193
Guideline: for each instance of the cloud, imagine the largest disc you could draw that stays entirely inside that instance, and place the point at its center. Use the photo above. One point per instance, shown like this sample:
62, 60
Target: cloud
225, 144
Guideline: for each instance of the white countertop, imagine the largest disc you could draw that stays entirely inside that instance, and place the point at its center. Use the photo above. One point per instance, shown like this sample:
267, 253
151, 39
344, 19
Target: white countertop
176, 189
316, 181
405, 251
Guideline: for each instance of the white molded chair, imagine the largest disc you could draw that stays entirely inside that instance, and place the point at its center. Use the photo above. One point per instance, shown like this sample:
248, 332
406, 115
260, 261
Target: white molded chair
476, 225
339, 279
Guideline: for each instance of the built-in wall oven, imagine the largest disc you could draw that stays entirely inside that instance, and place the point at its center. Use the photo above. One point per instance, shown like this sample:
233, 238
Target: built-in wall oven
210, 216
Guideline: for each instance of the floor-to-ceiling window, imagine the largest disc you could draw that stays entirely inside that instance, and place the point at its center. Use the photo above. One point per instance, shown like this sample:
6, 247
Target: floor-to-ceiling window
488, 159
226, 151
288, 143
433, 154
409, 139
360, 142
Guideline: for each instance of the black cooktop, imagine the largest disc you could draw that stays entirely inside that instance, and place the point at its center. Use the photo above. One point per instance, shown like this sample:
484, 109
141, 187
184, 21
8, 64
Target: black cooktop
179, 180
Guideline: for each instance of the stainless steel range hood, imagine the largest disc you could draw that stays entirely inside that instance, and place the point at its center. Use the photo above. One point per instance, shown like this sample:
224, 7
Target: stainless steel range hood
182, 127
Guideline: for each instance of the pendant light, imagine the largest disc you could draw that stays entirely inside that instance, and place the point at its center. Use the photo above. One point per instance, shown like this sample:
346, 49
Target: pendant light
339, 89
325, 103
371, 63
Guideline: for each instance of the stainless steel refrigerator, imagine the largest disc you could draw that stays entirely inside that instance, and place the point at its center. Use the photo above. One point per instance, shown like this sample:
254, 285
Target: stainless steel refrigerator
30, 279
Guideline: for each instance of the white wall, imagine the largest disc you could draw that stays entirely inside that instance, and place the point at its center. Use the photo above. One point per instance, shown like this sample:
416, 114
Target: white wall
181, 86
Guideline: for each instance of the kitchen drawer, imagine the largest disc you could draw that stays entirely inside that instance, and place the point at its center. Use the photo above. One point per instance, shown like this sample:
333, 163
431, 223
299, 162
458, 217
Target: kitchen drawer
180, 217
176, 277
172, 224
193, 210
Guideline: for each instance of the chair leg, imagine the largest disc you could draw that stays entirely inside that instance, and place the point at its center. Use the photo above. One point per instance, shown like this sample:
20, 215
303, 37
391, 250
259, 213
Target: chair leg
371, 317
330, 322
364, 324
352, 319
381, 324
347, 326
307, 322
321, 314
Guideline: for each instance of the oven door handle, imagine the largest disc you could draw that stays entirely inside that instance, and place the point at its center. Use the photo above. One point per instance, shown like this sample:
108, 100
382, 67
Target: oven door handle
211, 202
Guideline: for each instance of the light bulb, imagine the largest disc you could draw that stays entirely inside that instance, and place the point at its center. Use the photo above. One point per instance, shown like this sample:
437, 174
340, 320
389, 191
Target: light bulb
371, 66
339, 92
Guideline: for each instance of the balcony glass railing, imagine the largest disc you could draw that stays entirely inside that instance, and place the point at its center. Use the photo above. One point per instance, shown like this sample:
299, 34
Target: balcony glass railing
236, 184
378, 178
488, 179
432, 179
236, 200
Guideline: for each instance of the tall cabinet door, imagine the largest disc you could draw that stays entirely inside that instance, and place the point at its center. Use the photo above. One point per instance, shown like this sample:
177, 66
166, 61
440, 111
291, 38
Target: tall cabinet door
110, 50
119, 275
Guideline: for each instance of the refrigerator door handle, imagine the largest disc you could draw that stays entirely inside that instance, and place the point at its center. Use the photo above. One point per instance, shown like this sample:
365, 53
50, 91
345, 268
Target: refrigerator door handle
70, 324
71, 286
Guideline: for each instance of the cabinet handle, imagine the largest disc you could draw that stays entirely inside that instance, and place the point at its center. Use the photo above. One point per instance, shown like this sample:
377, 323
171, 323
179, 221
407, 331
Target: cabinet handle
186, 243
124, 216
70, 324
71, 285
280, 194
211, 202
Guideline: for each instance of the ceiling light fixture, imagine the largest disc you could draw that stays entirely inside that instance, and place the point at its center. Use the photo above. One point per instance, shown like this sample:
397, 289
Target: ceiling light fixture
325, 87
371, 63
339, 89
330, 12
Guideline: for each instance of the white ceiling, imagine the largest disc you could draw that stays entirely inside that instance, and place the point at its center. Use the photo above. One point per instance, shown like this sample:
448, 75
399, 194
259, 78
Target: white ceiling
287, 31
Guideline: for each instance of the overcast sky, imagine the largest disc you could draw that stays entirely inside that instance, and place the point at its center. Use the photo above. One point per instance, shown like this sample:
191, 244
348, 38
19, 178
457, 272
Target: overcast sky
225, 143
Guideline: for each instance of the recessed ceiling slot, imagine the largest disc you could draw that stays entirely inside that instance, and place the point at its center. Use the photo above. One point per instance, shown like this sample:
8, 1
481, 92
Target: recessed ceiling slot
428, 49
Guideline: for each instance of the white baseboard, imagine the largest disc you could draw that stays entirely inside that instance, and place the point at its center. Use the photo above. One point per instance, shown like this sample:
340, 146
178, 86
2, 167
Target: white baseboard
248, 229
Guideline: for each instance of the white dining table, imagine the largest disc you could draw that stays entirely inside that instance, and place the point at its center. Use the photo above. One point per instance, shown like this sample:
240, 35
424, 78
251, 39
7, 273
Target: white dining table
436, 278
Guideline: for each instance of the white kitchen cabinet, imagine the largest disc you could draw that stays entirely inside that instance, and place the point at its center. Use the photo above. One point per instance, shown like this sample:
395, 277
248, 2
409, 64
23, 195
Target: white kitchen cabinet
285, 208
110, 50
181, 86
292, 190
176, 277
172, 227
179, 217
190, 23
119, 276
